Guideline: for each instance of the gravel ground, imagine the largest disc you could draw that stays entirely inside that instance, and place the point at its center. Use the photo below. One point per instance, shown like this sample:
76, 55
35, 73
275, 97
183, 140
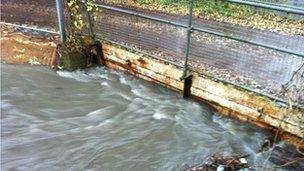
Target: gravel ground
40, 13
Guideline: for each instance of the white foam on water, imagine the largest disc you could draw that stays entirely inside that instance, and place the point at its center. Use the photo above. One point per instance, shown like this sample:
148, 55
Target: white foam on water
5, 105
139, 91
105, 122
77, 75
159, 116
224, 123
104, 83
136, 91
123, 80
96, 75
97, 112
89, 127
103, 76
124, 96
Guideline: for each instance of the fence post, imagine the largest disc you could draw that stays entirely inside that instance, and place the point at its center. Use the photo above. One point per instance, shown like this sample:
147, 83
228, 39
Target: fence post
96, 44
189, 31
188, 78
60, 18
89, 20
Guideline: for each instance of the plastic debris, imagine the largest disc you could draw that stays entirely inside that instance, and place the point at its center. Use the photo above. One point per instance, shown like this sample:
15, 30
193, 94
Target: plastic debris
220, 168
243, 160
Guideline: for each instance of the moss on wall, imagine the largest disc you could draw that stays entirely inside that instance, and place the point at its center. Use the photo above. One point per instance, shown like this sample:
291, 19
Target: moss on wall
73, 60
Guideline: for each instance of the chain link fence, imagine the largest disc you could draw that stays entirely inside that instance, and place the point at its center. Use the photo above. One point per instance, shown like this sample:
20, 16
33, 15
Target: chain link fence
255, 59
259, 60
163, 40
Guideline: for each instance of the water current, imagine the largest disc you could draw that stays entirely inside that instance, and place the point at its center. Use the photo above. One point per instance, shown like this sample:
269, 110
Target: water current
102, 119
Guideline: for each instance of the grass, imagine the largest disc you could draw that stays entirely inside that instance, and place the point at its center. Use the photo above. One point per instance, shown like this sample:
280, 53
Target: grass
213, 6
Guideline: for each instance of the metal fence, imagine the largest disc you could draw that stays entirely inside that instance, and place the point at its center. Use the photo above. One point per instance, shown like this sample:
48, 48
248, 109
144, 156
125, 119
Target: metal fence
256, 60
253, 59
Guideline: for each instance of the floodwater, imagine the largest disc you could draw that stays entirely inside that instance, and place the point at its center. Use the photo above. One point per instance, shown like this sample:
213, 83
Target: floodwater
106, 120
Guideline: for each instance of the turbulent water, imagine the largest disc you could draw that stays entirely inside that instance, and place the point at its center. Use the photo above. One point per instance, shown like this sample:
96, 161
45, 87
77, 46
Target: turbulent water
106, 120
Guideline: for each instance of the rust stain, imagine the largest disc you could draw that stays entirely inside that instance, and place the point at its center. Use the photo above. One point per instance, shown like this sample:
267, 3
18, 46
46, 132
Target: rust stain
115, 65
167, 80
143, 63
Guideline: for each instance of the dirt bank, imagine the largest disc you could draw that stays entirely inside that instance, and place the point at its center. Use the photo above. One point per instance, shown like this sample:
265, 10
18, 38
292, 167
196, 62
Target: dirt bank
20, 48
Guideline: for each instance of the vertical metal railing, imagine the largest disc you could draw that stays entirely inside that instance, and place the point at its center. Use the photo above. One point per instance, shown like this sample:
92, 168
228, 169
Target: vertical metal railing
186, 77
60, 18
189, 31
89, 21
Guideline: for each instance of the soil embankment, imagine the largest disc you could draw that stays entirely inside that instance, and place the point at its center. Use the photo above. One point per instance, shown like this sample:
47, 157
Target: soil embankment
19, 48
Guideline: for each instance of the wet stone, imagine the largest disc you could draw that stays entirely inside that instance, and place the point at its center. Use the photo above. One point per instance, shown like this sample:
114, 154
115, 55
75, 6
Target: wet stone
73, 60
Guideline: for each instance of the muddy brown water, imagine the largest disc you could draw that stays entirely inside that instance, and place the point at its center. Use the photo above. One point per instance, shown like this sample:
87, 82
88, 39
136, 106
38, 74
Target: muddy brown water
102, 119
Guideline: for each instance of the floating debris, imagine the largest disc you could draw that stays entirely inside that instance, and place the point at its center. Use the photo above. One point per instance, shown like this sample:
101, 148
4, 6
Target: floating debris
222, 162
